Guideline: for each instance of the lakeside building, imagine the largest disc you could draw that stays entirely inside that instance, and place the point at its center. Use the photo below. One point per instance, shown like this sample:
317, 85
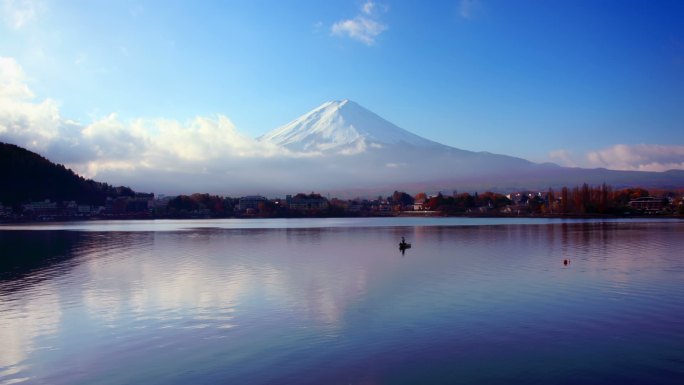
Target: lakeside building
305, 202
250, 202
84, 210
138, 204
40, 209
49, 209
648, 204
40, 205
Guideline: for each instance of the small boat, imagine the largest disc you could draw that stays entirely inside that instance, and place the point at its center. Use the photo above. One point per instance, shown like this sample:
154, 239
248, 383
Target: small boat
404, 245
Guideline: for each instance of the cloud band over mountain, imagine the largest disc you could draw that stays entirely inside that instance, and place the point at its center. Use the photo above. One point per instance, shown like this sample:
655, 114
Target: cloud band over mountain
639, 157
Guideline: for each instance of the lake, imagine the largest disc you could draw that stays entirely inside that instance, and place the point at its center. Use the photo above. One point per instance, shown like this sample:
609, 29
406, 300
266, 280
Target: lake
334, 301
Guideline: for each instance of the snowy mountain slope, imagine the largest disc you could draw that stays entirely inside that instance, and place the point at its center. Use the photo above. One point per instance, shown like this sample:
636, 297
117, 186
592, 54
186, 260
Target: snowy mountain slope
342, 127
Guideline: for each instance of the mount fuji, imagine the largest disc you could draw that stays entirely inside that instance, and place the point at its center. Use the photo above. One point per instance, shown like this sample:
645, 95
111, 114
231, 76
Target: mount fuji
342, 127
352, 146
341, 145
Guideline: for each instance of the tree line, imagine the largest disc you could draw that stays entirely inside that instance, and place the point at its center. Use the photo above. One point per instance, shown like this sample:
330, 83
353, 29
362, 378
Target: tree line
578, 200
567, 201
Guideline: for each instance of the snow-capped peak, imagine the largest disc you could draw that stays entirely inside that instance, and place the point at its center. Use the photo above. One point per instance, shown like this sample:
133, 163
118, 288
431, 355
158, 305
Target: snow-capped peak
342, 127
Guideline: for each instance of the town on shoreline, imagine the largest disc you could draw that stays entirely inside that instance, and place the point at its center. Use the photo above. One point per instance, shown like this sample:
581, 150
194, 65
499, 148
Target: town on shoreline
580, 201
35, 189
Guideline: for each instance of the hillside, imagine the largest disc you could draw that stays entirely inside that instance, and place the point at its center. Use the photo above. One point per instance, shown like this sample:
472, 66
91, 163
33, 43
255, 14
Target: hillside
26, 176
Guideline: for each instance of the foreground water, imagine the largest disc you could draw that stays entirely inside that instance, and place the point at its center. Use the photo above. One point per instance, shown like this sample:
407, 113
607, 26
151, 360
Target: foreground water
335, 302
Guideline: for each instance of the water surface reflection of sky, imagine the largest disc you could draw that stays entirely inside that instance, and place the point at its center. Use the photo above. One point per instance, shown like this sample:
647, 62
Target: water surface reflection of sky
342, 304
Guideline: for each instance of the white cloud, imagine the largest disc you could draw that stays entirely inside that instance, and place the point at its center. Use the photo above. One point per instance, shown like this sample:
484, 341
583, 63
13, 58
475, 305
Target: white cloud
368, 7
111, 138
203, 138
641, 157
110, 143
17, 13
21, 119
394, 165
360, 28
13, 80
563, 157
364, 27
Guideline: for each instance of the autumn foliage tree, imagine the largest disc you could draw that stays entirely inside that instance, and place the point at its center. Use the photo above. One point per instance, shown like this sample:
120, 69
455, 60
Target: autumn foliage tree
401, 199
586, 199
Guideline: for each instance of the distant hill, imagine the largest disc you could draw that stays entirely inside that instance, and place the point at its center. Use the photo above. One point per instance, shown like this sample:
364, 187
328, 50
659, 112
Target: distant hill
26, 176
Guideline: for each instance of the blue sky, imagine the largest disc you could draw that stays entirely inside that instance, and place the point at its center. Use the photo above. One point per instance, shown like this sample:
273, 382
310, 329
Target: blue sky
561, 81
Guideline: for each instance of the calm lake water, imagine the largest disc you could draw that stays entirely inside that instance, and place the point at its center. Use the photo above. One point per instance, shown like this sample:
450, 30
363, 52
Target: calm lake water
486, 301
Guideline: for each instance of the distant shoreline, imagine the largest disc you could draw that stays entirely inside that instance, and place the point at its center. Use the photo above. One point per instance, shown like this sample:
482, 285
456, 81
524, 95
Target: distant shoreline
405, 214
